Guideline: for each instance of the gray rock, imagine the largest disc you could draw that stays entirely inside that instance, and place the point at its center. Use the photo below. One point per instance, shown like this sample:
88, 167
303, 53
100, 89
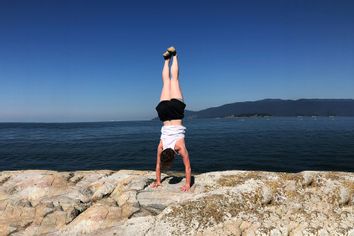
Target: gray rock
105, 202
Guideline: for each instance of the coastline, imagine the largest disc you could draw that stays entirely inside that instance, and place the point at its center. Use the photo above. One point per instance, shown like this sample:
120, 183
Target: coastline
35, 202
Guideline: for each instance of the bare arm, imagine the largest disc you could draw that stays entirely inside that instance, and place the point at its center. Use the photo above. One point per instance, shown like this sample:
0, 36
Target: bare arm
158, 171
187, 166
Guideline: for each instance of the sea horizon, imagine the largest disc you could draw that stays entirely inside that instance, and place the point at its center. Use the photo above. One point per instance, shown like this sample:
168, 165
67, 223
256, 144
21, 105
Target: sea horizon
289, 144
153, 120
331, 104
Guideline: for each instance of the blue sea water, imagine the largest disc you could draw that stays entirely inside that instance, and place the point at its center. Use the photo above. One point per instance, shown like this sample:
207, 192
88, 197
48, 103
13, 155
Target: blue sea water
273, 144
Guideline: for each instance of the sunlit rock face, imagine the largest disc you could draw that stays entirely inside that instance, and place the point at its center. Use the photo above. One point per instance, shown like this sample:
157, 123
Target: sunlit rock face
104, 202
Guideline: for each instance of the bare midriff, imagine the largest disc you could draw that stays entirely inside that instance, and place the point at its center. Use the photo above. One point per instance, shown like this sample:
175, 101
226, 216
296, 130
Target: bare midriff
172, 122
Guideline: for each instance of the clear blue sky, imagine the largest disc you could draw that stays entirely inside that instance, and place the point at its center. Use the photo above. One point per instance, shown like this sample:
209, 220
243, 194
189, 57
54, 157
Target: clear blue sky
101, 60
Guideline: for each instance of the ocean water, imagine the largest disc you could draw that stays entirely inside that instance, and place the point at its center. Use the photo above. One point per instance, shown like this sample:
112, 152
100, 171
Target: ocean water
271, 144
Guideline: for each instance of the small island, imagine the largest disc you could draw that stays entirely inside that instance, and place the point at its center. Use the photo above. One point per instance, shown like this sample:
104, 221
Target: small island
249, 115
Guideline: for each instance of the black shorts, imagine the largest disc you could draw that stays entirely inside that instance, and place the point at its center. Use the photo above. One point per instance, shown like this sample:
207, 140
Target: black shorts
171, 109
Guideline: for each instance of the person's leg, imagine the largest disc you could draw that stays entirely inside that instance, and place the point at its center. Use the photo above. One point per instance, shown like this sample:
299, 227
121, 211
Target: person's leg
175, 88
166, 87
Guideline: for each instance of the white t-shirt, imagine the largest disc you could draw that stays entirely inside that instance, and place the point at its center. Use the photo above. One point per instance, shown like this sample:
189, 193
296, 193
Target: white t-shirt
170, 134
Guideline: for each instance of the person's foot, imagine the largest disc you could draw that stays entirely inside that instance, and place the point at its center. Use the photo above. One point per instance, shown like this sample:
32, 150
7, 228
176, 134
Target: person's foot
172, 50
167, 55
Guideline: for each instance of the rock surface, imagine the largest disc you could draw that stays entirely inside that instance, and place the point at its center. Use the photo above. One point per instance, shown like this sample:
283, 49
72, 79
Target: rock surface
105, 202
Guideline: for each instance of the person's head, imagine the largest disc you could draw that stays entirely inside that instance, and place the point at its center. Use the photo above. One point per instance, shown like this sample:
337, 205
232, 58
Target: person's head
167, 157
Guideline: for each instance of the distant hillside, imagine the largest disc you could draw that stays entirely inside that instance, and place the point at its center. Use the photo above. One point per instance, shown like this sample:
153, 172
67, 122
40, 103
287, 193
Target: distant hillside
278, 107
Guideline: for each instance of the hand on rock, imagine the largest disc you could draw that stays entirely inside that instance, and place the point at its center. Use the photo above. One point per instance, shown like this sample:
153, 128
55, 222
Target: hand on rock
155, 184
185, 188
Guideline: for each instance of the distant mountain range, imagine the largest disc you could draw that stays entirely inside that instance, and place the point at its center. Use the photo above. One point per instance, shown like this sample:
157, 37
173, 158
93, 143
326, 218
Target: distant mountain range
277, 107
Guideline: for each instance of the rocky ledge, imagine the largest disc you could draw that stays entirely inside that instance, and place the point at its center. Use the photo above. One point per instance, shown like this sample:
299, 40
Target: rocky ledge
38, 202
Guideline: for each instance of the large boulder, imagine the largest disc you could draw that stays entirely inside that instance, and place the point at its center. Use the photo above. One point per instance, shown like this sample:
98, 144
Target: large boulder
106, 202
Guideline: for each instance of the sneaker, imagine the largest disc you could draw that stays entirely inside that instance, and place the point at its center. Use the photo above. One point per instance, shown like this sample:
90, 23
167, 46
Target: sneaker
166, 55
172, 50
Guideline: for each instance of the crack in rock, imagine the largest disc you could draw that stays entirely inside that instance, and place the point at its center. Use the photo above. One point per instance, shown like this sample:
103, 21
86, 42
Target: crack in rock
4, 180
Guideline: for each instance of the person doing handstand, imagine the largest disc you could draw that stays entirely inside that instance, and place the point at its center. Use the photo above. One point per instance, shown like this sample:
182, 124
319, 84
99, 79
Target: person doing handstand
171, 112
